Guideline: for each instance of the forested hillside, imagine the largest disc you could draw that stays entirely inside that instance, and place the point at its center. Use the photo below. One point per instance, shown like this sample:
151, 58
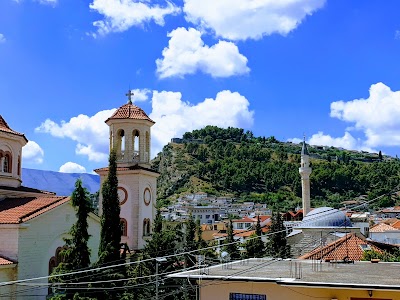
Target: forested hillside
234, 162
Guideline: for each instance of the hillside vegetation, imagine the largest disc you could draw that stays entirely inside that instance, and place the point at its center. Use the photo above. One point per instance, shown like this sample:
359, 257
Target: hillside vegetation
236, 163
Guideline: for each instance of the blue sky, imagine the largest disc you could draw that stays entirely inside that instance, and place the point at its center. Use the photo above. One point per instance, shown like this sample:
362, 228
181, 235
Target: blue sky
328, 69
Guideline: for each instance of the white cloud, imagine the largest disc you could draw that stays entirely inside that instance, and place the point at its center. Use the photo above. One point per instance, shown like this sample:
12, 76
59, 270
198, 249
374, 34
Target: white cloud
71, 167
90, 133
378, 116
347, 141
51, 2
120, 15
33, 153
140, 95
250, 19
187, 54
173, 116
2, 38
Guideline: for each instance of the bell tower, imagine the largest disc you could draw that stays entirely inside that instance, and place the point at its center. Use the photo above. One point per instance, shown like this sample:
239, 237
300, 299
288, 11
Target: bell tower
130, 136
11, 143
305, 171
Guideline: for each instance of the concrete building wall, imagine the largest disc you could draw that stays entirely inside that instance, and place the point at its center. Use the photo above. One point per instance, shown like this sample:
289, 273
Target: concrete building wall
9, 240
216, 290
8, 273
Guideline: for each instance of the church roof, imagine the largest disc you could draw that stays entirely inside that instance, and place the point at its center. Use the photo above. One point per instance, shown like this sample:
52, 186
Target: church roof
350, 246
135, 167
5, 261
130, 111
19, 210
5, 128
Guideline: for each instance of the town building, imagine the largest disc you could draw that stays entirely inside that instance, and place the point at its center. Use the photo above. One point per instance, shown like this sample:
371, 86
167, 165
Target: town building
271, 279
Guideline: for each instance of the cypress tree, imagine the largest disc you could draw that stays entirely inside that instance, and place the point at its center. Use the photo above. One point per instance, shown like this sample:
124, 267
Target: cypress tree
255, 246
110, 236
277, 244
189, 240
76, 254
231, 245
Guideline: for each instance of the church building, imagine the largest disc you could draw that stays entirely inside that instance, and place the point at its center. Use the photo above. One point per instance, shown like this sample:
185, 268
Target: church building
130, 136
33, 224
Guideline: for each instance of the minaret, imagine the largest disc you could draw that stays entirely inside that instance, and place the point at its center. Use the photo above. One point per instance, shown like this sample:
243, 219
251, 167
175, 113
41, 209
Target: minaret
305, 171
130, 136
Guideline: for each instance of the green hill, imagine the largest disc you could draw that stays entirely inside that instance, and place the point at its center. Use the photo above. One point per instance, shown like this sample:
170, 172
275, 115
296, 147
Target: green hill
234, 162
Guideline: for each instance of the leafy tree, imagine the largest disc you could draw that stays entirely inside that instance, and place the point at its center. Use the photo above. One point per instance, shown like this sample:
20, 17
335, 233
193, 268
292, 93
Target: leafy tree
76, 254
165, 241
394, 256
110, 236
277, 244
255, 246
231, 246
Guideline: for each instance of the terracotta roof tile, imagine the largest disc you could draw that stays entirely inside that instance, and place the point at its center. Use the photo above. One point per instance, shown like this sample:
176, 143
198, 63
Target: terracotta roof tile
18, 210
347, 246
382, 227
396, 225
130, 111
6, 261
5, 128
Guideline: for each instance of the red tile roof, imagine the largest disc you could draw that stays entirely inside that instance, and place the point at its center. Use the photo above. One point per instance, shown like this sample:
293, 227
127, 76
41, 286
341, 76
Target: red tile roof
396, 225
130, 111
5, 128
347, 246
382, 227
6, 261
19, 210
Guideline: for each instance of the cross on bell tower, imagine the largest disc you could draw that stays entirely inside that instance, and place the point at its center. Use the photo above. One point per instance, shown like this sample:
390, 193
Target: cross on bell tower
129, 94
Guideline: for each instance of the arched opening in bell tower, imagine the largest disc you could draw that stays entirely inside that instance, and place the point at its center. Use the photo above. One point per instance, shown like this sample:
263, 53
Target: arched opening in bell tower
147, 151
120, 143
136, 144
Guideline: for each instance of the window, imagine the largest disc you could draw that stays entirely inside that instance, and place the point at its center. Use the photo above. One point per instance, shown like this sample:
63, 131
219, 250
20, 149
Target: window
239, 296
7, 162
247, 225
124, 227
240, 225
207, 216
146, 227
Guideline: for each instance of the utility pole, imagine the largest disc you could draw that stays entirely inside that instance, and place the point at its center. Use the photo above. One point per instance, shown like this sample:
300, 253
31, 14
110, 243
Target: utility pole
158, 260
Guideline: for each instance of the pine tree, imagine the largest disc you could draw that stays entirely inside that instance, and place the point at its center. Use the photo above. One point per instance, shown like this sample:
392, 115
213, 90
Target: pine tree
110, 236
76, 254
277, 244
231, 246
255, 246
